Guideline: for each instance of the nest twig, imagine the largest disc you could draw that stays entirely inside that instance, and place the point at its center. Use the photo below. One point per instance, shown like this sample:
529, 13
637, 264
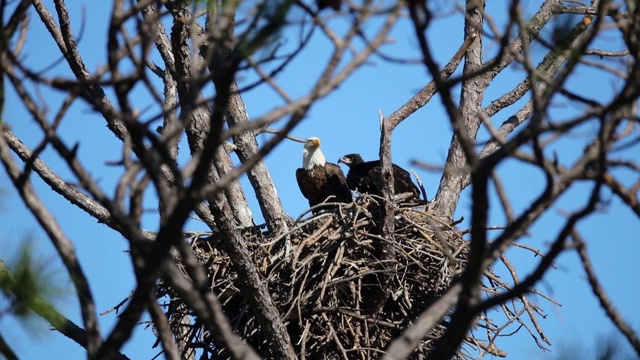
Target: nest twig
331, 288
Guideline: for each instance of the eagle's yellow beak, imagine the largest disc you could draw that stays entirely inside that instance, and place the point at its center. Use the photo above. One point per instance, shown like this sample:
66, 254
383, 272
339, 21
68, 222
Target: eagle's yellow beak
313, 141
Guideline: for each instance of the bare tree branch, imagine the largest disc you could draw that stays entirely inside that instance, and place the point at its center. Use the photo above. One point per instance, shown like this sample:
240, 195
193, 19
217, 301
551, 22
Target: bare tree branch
175, 71
62, 244
601, 295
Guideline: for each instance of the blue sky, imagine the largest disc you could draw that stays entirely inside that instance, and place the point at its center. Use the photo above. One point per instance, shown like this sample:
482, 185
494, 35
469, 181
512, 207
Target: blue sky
346, 121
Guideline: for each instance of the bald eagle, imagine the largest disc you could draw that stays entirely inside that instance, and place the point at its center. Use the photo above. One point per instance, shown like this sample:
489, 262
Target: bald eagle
366, 177
318, 179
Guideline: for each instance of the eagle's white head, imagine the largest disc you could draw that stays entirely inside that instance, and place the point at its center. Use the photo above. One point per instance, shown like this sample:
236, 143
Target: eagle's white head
312, 155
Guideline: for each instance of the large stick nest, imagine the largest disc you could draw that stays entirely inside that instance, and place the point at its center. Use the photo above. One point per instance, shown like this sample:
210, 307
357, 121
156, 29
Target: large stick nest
326, 275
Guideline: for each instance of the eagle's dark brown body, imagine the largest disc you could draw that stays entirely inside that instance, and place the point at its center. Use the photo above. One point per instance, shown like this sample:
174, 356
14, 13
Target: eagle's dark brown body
319, 180
322, 182
334, 4
366, 177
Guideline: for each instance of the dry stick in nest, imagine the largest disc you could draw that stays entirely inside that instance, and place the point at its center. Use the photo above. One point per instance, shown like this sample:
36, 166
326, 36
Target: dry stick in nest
512, 316
323, 289
493, 331
320, 254
310, 241
525, 301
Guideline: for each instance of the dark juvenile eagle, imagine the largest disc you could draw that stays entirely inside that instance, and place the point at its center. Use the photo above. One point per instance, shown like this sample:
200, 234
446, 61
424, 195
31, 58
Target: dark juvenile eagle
366, 177
334, 4
318, 179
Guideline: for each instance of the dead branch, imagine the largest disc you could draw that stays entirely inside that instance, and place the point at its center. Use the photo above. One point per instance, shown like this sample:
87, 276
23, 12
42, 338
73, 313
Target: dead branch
599, 292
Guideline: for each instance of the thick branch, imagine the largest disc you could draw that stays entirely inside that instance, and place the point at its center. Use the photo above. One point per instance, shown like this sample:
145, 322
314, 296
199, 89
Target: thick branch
58, 184
252, 285
258, 174
467, 124
426, 93
196, 293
